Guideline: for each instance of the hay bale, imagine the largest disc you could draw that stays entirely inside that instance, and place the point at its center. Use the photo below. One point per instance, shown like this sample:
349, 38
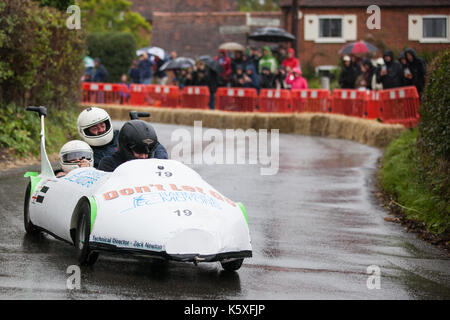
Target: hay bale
363, 131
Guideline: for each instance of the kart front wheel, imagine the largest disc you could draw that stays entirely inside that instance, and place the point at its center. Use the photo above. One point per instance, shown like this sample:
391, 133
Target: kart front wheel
29, 226
84, 254
232, 265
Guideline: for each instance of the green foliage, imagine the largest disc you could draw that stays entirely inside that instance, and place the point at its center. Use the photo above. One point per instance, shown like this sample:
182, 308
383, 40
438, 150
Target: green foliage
401, 177
20, 130
257, 5
116, 50
58, 4
40, 58
434, 129
115, 16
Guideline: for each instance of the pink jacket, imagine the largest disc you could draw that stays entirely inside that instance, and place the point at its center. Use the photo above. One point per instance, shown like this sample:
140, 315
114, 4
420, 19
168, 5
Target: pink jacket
296, 82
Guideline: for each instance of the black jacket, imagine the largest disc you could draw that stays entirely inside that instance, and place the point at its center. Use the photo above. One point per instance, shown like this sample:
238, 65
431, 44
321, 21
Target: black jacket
110, 163
418, 69
266, 81
394, 77
101, 75
106, 150
348, 77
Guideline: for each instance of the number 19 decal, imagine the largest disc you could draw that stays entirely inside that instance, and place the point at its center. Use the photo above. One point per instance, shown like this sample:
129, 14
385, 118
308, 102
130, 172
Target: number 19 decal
185, 212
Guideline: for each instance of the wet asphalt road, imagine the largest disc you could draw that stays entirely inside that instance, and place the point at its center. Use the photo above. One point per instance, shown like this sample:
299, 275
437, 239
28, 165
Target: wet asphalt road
315, 228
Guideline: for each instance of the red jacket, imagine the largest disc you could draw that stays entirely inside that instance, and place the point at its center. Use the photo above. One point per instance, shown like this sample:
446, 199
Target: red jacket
291, 62
226, 65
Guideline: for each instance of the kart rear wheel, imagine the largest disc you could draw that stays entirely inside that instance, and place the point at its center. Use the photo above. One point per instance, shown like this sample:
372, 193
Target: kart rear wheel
29, 226
84, 254
232, 265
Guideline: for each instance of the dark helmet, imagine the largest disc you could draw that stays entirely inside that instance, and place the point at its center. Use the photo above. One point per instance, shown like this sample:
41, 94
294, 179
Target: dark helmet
139, 136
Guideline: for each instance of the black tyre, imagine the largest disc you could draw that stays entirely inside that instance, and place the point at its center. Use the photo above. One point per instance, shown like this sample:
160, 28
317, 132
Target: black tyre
85, 256
29, 226
232, 265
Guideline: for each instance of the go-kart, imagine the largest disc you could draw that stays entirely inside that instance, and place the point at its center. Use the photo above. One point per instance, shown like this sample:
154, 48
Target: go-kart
147, 207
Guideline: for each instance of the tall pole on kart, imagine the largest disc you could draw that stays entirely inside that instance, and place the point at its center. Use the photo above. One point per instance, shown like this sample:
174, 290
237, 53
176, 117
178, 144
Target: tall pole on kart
46, 167
294, 25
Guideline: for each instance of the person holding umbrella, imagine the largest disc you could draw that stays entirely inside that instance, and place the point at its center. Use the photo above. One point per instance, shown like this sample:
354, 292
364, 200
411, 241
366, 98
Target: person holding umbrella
145, 69
225, 62
348, 74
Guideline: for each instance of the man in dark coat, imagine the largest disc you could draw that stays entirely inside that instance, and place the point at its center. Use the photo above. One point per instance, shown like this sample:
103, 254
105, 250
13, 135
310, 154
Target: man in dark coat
391, 74
133, 73
407, 80
348, 74
266, 79
100, 71
418, 69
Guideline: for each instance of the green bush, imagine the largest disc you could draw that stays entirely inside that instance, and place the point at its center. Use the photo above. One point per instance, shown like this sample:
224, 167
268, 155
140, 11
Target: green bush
116, 50
20, 130
433, 141
40, 58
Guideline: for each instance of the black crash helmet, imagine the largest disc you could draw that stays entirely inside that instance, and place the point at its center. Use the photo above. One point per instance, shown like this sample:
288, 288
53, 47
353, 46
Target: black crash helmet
139, 136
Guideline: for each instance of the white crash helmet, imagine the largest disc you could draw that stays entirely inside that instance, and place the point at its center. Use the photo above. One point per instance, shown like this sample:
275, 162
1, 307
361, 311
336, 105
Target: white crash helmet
90, 117
75, 150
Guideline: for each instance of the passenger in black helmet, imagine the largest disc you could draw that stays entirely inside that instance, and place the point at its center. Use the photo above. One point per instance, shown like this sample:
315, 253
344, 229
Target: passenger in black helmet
137, 140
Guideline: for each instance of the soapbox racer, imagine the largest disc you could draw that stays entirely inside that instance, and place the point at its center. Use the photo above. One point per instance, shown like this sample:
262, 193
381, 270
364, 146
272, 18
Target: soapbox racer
147, 207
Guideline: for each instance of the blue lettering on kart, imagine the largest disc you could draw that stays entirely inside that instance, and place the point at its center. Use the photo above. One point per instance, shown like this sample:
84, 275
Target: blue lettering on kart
189, 196
164, 197
85, 178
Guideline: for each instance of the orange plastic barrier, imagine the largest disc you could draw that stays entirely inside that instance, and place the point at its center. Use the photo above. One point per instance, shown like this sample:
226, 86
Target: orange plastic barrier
400, 105
349, 102
162, 96
272, 100
236, 99
137, 95
109, 93
195, 97
373, 109
310, 100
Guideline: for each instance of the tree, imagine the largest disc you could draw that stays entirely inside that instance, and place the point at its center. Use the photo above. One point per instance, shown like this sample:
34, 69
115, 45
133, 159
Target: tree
58, 4
114, 15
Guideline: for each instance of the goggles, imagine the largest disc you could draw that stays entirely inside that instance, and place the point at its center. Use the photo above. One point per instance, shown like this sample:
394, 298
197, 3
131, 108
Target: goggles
76, 156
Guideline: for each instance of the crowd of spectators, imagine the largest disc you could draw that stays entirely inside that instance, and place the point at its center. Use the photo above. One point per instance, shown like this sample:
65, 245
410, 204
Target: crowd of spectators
260, 68
384, 72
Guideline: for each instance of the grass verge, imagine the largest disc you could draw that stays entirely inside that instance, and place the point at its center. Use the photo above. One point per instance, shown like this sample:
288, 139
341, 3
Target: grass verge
409, 191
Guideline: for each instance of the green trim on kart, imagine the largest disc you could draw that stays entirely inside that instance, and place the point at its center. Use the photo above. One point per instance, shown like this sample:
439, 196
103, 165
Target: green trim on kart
93, 210
34, 180
243, 211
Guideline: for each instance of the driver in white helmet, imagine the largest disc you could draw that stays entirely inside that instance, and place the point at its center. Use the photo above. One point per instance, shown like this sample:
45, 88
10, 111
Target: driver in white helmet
95, 128
74, 154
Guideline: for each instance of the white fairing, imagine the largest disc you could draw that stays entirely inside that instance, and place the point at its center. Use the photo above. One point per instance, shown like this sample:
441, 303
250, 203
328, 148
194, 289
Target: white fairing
151, 205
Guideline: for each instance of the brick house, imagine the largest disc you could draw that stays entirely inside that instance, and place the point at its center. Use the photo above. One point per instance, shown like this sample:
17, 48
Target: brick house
325, 26
198, 27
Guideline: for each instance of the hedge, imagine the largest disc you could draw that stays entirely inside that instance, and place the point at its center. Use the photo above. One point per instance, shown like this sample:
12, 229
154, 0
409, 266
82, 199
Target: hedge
116, 51
40, 58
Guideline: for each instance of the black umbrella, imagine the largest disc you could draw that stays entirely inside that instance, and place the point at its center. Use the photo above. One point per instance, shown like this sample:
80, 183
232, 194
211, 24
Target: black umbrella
271, 35
178, 63
211, 63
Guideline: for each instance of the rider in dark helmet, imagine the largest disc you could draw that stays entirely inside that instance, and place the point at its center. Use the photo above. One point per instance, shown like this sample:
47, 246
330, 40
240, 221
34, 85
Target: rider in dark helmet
137, 140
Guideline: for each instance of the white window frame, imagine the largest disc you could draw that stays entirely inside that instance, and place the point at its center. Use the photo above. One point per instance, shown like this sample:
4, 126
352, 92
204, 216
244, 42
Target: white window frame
330, 39
435, 40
